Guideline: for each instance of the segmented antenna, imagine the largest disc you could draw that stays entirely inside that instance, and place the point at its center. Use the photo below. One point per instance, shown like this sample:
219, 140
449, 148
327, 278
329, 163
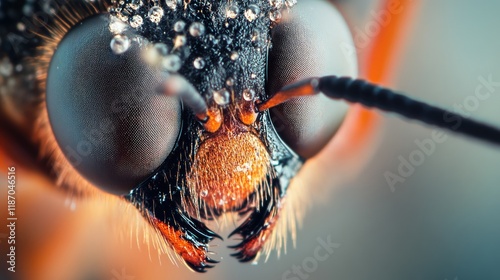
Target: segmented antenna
370, 95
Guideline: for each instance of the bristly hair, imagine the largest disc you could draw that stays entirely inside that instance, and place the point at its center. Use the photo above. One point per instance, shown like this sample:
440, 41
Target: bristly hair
67, 15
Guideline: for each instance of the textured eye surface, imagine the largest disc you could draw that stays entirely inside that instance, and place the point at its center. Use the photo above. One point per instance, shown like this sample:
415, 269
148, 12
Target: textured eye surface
307, 43
104, 108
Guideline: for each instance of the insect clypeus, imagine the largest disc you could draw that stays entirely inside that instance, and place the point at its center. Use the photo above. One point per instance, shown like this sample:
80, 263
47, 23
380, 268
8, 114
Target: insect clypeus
176, 107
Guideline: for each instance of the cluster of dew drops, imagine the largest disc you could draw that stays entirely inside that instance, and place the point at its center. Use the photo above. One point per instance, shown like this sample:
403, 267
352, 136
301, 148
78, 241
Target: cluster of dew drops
172, 63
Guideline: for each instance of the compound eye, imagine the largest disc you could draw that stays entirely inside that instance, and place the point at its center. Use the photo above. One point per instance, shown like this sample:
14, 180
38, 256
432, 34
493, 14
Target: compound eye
307, 43
105, 110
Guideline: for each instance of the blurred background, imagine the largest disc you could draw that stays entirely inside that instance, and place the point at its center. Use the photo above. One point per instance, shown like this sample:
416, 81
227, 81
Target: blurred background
440, 222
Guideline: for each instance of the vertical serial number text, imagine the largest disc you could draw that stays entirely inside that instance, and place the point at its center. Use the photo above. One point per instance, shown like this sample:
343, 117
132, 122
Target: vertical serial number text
11, 218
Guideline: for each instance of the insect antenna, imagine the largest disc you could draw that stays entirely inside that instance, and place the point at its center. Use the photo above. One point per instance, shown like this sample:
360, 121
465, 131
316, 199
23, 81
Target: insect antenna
178, 86
371, 95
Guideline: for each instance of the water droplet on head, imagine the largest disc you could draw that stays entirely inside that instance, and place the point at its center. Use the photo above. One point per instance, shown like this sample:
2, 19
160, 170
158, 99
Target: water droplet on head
28, 10
257, 39
172, 4
155, 53
255, 36
116, 26
212, 39
196, 29
275, 16
252, 12
232, 11
199, 63
290, 3
222, 201
230, 82
171, 63
161, 48
221, 97
277, 4
136, 21
134, 4
179, 41
234, 56
155, 14
248, 94
204, 193
179, 26
120, 44
21, 26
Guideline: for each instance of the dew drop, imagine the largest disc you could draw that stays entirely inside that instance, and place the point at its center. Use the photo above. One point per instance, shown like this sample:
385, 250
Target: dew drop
212, 39
179, 41
255, 36
230, 82
21, 26
253, 76
171, 63
161, 48
275, 16
221, 97
290, 3
234, 56
6, 68
155, 14
248, 94
122, 17
252, 12
204, 193
27, 10
120, 44
116, 26
196, 29
134, 4
232, 11
277, 4
179, 26
136, 21
257, 39
171, 4
199, 63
